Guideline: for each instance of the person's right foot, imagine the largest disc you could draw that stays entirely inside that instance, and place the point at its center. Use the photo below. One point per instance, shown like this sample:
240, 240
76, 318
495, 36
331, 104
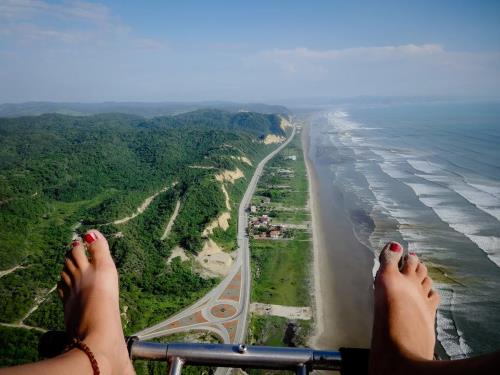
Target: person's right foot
405, 313
89, 290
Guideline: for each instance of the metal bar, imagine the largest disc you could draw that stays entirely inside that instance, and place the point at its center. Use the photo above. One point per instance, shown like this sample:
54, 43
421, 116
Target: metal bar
176, 364
236, 356
153, 351
301, 370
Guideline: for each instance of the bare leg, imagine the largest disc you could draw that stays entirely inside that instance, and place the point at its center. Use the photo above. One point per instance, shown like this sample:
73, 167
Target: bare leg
89, 290
405, 311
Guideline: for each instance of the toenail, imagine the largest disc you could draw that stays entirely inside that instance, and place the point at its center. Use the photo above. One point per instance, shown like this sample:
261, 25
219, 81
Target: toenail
395, 247
412, 253
75, 243
90, 237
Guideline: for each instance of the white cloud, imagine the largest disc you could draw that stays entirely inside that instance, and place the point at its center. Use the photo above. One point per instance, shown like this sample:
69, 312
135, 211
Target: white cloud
384, 52
81, 50
28, 9
70, 23
408, 69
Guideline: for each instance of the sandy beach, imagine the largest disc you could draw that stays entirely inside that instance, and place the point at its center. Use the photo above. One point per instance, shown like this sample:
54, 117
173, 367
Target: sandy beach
342, 266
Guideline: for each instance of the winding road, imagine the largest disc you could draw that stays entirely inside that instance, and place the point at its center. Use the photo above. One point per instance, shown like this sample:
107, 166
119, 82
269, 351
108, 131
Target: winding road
224, 310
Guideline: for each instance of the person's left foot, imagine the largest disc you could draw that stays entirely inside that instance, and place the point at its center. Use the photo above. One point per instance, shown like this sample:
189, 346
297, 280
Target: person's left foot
89, 290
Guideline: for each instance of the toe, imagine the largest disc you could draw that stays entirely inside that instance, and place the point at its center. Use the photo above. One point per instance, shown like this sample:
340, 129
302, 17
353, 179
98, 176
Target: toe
434, 298
97, 247
66, 279
78, 256
60, 290
411, 264
427, 285
390, 255
421, 271
70, 267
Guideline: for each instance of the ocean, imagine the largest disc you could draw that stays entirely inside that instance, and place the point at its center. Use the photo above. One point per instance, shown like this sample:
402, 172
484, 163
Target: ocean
428, 175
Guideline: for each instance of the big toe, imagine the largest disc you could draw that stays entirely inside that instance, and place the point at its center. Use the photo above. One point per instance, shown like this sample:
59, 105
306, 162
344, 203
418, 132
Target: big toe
391, 255
98, 247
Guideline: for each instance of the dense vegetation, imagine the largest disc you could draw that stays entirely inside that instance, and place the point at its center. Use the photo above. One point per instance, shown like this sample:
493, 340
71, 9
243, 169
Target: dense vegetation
60, 174
133, 108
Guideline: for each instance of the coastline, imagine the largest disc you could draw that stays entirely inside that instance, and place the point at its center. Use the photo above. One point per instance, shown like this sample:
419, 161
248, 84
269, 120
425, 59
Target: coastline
342, 265
316, 241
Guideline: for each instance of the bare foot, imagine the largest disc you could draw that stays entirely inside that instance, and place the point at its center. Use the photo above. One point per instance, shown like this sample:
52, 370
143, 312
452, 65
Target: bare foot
89, 290
405, 312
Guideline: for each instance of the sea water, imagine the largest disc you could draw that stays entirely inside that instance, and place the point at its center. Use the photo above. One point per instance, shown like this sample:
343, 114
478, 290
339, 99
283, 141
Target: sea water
428, 175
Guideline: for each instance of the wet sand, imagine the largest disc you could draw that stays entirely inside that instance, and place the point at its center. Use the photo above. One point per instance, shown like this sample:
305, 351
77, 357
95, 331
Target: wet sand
342, 266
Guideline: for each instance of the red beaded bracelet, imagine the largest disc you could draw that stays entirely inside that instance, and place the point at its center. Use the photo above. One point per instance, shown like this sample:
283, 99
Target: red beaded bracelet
79, 344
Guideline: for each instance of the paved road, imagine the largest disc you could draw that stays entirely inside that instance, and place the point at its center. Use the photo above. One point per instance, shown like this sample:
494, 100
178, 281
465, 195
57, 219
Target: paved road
224, 310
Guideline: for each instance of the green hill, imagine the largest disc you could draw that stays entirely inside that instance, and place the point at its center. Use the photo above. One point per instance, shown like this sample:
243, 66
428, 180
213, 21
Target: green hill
134, 108
60, 174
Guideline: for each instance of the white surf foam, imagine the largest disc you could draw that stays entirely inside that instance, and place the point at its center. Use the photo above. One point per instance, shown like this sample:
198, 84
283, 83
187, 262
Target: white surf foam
461, 220
483, 200
436, 195
426, 189
450, 337
488, 188
340, 114
490, 245
395, 170
425, 166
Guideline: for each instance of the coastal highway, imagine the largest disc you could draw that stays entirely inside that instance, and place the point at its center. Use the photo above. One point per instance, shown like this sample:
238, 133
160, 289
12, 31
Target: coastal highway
224, 310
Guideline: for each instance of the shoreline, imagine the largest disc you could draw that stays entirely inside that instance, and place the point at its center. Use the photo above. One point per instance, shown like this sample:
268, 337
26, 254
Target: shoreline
316, 244
342, 265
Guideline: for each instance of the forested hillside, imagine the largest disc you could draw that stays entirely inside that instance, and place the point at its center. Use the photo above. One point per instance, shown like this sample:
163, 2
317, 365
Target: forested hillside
133, 108
60, 175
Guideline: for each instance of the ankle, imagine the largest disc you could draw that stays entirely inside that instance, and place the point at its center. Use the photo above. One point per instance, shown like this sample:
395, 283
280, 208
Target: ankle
102, 354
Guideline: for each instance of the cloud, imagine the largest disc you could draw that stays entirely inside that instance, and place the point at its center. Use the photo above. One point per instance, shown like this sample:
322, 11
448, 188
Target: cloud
316, 64
359, 52
32, 33
408, 69
29, 9
302, 54
68, 22
83, 51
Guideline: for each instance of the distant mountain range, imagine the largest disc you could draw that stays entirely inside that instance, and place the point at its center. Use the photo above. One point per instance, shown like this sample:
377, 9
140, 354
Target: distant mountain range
134, 108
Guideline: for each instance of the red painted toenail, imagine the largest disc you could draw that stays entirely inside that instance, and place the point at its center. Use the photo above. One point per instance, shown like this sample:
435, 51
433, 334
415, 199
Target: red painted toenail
90, 237
412, 253
75, 243
395, 247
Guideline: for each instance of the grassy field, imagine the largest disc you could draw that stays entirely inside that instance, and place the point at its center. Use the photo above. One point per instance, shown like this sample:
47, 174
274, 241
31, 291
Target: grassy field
290, 217
289, 190
280, 271
281, 267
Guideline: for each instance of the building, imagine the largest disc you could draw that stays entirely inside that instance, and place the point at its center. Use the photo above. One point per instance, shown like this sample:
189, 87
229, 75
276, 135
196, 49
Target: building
274, 233
260, 222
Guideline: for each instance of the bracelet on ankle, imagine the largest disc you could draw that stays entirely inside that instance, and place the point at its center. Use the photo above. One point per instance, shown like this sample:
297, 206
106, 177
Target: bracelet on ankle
79, 344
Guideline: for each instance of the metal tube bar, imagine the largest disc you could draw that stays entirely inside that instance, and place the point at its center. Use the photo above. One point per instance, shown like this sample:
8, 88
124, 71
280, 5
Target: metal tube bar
302, 370
176, 364
153, 351
221, 355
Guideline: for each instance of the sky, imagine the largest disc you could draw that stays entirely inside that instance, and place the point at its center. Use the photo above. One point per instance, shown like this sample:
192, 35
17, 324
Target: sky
266, 51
